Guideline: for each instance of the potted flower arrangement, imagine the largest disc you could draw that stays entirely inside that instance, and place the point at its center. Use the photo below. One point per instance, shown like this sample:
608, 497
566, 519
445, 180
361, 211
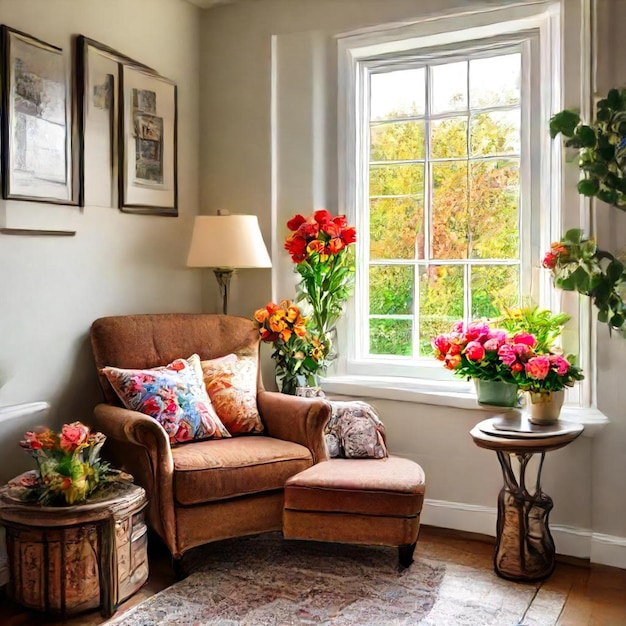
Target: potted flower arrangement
544, 376
299, 355
472, 351
69, 466
519, 352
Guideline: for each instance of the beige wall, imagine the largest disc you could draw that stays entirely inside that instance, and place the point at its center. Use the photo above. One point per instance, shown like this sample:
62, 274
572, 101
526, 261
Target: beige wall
52, 288
586, 479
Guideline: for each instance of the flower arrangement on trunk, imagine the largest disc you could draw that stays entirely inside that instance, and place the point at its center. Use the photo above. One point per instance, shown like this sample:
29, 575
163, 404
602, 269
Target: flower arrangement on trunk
516, 348
301, 332
69, 465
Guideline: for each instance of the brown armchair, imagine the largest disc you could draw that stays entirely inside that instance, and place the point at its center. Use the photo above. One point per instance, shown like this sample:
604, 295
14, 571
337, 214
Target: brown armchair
206, 490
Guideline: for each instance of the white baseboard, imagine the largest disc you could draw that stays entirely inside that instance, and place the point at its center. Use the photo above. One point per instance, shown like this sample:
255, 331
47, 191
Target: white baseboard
569, 540
608, 550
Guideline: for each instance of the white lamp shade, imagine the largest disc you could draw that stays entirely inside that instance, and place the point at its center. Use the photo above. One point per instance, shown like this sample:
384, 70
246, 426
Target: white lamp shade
228, 242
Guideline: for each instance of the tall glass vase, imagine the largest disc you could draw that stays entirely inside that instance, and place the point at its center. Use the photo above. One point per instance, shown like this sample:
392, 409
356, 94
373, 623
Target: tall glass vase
286, 381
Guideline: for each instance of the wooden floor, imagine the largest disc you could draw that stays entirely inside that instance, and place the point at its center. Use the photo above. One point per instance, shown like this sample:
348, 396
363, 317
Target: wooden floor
596, 595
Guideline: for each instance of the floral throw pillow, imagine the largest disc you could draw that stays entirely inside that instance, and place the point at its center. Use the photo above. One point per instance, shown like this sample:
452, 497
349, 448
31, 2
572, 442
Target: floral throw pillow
173, 395
354, 431
231, 382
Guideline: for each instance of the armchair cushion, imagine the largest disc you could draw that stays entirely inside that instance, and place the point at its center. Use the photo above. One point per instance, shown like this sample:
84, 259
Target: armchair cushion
211, 470
231, 382
172, 395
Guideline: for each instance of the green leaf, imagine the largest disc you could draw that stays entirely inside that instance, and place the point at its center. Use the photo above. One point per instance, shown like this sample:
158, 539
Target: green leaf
614, 99
587, 136
603, 316
564, 122
606, 152
588, 187
603, 115
598, 168
574, 235
614, 271
607, 195
617, 321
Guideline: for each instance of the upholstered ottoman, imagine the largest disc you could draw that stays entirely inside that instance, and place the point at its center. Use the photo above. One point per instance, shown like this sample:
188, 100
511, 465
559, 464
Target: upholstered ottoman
368, 501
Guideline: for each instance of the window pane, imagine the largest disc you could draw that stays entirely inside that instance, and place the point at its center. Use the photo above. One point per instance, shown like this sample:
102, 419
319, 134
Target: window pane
497, 132
390, 336
441, 301
449, 87
448, 138
450, 219
397, 228
391, 290
494, 209
495, 80
397, 94
494, 287
397, 180
399, 141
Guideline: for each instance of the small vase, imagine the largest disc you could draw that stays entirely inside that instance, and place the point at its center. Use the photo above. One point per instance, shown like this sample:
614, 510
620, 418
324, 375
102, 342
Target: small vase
305, 389
496, 393
545, 406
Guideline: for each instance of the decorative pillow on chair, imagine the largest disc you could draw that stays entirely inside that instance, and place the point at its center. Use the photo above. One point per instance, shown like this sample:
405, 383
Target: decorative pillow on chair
173, 395
231, 382
354, 431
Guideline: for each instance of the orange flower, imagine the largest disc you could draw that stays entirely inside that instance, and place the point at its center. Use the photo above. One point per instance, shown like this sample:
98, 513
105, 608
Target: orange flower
260, 315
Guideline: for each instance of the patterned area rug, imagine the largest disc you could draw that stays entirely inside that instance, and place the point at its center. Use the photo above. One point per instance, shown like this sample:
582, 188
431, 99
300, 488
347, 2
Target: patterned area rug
265, 581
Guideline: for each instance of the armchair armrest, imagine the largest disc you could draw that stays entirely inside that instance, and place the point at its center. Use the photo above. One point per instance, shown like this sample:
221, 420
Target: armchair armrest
139, 444
300, 420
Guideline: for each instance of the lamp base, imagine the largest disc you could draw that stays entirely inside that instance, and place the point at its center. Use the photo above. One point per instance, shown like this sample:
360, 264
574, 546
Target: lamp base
223, 277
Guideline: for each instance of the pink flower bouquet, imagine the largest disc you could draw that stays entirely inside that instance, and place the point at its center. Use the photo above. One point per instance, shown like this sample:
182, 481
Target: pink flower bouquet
476, 350
472, 351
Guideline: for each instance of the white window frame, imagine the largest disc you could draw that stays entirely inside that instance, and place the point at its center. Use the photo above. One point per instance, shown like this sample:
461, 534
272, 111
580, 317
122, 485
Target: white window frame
557, 207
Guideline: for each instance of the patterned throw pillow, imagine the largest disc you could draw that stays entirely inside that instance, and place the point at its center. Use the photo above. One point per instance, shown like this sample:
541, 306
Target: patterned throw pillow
231, 382
173, 395
354, 431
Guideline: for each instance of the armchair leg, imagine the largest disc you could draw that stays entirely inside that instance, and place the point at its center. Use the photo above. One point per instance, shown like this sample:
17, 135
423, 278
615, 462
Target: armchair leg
405, 554
177, 567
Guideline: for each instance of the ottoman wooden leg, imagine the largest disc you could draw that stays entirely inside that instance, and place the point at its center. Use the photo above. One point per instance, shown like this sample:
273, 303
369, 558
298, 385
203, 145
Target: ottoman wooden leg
405, 554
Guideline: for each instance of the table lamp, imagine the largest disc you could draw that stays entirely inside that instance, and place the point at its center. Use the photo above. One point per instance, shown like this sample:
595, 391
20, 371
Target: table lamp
226, 243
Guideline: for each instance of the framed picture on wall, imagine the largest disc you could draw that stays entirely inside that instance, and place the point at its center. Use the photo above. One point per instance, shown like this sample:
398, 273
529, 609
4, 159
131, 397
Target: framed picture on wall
97, 87
147, 143
38, 133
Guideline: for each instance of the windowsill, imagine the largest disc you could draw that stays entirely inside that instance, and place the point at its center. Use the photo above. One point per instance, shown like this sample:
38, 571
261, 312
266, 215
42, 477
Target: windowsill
455, 394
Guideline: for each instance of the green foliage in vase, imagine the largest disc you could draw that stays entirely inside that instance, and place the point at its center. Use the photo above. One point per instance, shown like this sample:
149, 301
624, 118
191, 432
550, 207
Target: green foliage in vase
544, 325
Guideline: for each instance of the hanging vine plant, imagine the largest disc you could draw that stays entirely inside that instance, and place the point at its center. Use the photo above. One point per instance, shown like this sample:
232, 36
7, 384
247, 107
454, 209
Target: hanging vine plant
577, 264
601, 147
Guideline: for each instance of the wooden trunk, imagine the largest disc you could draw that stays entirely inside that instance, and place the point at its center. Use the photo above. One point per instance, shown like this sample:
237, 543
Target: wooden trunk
66, 560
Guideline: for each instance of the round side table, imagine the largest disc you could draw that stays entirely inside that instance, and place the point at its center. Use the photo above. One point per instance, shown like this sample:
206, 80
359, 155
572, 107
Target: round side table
524, 546
69, 559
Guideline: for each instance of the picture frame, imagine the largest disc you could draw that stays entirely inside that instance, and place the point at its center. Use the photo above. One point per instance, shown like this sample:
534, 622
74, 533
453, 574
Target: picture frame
38, 129
148, 181
97, 88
